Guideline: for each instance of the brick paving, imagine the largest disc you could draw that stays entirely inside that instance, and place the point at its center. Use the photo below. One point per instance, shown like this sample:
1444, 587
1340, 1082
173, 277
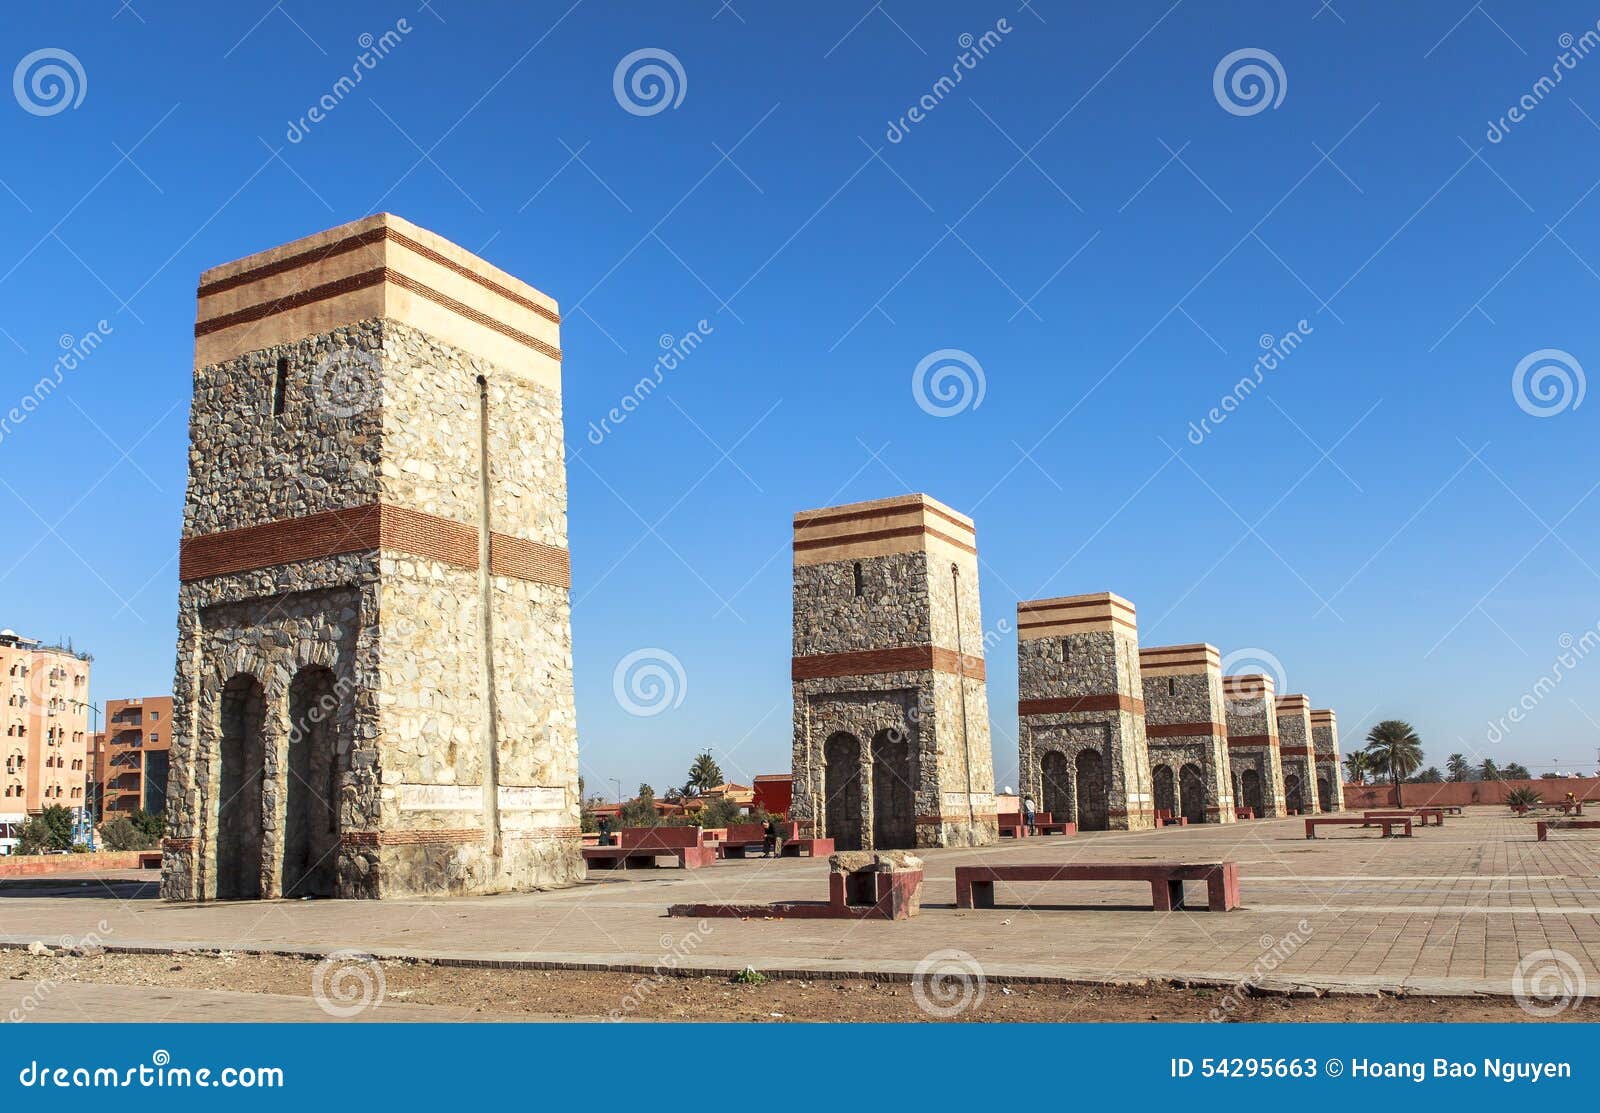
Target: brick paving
1453, 909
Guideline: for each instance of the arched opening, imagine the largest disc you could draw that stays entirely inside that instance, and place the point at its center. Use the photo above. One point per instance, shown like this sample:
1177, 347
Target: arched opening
1325, 793
1055, 788
1293, 798
239, 790
841, 758
894, 820
1250, 791
1192, 792
311, 810
1091, 795
1165, 789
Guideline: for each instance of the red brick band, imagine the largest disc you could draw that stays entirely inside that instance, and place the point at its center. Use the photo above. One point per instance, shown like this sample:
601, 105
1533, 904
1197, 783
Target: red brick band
363, 529
177, 844
1067, 705
1175, 730
1249, 740
1296, 751
374, 277
363, 239
827, 519
449, 836
870, 662
882, 535
935, 820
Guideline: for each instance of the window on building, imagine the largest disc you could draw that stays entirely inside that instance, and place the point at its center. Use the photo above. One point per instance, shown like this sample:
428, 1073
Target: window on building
280, 386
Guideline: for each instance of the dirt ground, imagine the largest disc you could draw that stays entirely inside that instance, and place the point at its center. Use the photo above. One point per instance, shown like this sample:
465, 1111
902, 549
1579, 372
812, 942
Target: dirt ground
504, 994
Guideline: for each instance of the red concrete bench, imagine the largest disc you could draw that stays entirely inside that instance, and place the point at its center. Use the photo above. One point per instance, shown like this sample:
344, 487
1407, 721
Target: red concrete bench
1047, 824
975, 884
1012, 827
1565, 825
1388, 825
1244, 813
1165, 818
639, 847
1420, 814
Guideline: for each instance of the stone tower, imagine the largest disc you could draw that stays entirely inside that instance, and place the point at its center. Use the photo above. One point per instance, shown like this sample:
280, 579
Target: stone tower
891, 717
1080, 710
1253, 743
374, 684
1299, 759
1186, 724
1330, 767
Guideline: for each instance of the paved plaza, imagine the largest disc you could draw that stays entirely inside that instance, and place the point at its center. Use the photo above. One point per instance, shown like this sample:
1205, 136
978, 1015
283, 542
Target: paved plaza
1452, 910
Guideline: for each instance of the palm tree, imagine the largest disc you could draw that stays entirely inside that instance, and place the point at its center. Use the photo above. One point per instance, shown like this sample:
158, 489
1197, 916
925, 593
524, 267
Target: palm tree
1515, 771
704, 773
1458, 767
1488, 771
1357, 765
1396, 750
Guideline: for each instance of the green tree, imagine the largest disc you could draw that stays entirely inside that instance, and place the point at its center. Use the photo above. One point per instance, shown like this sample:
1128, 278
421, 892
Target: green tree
50, 830
122, 833
1395, 750
1516, 772
1488, 771
1357, 765
1428, 776
1458, 768
641, 810
704, 773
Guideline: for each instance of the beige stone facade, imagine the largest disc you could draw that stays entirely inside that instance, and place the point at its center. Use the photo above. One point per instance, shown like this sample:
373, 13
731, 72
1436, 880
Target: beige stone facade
1082, 752
1253, 743
1299, 758
1185, 722
374, 685
1330, 763
891, 723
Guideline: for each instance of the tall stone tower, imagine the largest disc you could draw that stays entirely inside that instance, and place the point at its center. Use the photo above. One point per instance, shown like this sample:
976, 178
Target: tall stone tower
1186, 724
1080, 710
1299, 759
374, 684
1330, 767
1253, 743
891, 716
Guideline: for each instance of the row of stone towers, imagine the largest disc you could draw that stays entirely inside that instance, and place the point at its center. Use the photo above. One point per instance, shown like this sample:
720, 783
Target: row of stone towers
891, 738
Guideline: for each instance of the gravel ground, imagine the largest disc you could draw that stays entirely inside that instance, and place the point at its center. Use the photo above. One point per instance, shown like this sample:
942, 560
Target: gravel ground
588, 995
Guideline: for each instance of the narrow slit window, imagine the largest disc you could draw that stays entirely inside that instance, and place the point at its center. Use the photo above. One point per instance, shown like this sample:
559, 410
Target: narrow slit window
280, 386
859, 584
1172, 686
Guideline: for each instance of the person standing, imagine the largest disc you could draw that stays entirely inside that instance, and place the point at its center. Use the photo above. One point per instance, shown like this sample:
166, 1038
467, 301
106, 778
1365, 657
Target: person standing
1029, 816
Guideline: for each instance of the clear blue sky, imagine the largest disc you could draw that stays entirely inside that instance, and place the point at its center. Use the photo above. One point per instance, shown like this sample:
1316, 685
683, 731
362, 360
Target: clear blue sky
1381, 515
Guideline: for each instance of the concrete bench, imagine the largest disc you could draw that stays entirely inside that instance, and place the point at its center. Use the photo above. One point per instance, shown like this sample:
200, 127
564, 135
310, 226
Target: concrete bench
1565, 825
975, 884
1422, 815
1012, 827
1047, 824
1244, 813
1403, 823
1165, 818
639, 847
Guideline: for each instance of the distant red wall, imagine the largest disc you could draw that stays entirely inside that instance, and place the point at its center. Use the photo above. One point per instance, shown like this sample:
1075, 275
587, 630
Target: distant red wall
1357, 797
29, 865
